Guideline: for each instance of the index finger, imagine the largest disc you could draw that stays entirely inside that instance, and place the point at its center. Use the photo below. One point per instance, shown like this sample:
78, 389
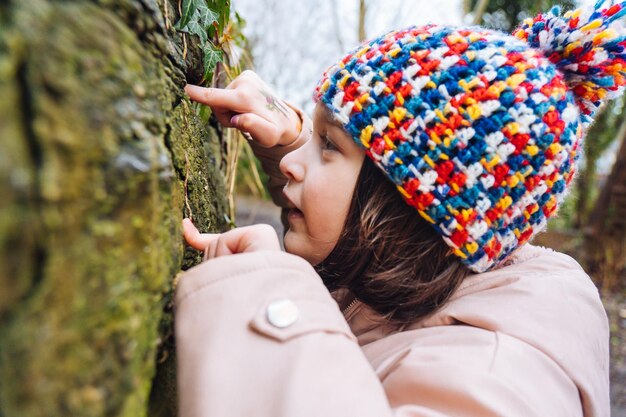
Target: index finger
194, 238
212, 96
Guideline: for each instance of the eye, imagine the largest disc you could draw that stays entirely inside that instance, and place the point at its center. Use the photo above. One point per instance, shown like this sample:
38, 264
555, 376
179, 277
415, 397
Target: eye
327, 144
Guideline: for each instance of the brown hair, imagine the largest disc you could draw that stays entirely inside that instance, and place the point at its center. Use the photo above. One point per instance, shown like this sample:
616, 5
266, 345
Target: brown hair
388, 256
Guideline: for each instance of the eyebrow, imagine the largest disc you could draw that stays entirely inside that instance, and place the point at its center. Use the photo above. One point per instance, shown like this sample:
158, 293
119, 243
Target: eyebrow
328, 118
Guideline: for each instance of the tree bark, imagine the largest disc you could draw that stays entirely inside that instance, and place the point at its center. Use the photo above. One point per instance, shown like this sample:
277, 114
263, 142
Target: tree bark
100, 157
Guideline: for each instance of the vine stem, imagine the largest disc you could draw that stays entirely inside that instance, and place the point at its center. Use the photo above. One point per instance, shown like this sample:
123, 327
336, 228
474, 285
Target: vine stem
180, 12
185, 187
166, 13
233, 141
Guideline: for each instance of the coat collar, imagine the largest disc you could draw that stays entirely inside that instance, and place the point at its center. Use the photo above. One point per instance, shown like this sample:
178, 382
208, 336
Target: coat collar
369, 326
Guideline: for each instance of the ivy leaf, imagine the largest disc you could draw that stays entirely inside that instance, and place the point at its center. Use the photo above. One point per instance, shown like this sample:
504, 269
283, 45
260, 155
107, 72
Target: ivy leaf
200, 21
212, 56
195, 28
188, 10
206, 16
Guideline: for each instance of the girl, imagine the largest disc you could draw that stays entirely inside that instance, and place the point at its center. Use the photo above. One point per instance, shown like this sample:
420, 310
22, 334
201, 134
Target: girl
409, 288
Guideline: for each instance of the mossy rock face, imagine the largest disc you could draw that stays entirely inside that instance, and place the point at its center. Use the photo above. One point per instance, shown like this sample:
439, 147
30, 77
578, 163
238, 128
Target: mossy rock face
100, 157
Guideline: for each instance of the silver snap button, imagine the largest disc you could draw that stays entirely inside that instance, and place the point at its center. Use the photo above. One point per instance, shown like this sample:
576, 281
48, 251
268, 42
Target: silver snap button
282, 313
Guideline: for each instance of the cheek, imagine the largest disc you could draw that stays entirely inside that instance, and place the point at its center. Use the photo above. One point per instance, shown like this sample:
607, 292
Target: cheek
326, 195
328, 206
326, 209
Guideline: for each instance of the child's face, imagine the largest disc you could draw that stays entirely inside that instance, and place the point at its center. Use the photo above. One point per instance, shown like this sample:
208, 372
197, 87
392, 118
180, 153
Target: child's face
322, 176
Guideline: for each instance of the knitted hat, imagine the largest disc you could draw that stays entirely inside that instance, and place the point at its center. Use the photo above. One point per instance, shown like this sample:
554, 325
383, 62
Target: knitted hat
480, 130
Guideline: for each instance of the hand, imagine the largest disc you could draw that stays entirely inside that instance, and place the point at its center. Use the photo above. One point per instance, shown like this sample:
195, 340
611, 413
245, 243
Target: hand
242, 239
248, 105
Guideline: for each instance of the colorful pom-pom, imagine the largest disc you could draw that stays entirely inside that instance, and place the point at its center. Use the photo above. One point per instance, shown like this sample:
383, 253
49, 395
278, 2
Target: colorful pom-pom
587, 46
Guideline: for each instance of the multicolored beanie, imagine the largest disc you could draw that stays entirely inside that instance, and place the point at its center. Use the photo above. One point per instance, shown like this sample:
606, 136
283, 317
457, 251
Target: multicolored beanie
480, 130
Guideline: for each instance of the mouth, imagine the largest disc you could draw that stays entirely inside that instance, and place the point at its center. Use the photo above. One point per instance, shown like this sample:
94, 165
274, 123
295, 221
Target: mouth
294, 212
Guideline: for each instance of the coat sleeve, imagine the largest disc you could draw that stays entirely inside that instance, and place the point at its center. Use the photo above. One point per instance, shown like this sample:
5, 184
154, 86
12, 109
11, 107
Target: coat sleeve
460, 370
258, 334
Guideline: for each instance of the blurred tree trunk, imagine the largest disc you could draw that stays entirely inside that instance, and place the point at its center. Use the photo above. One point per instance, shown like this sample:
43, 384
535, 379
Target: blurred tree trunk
100, 156
606, 240
603, 132
506, 15
479, 11
362, 35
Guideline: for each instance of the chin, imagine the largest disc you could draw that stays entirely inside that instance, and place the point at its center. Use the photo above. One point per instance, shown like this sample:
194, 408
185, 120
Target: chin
295, 246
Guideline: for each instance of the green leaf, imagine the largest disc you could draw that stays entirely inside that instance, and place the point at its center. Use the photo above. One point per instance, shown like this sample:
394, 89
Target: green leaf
212, 56
225, 16
196, 29
202, 21
188, 10
206, 16
222, 7
204, 112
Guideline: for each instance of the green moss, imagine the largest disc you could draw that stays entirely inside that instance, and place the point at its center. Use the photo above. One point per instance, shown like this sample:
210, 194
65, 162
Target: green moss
100, 147
17, 181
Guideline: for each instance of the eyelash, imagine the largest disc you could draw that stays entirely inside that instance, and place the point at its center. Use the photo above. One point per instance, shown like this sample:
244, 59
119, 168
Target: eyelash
327, 144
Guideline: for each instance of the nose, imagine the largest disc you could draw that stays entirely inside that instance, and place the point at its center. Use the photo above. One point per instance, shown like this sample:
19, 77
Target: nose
292, 165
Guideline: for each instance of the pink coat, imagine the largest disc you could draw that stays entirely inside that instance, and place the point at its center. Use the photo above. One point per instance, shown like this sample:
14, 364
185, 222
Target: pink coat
258, 334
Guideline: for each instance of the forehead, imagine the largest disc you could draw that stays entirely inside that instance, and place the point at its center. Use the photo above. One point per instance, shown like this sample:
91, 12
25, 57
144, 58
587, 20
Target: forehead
324, 120
325, 115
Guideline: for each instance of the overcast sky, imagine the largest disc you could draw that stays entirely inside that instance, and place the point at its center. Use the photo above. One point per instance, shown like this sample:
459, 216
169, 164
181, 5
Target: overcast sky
295, 41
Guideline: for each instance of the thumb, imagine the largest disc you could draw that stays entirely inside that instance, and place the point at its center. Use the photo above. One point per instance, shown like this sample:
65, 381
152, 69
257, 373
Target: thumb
243, 239
263, 131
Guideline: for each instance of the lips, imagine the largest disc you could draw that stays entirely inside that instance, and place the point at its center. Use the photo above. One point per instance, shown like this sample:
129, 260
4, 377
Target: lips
294, 212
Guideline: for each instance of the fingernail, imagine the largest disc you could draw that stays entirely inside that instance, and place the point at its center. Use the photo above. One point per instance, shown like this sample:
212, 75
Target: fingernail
233, 120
